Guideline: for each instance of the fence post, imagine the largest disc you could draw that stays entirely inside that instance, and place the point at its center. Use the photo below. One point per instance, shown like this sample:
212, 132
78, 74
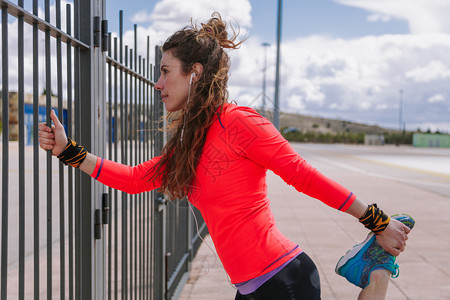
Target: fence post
85, 203
91, 126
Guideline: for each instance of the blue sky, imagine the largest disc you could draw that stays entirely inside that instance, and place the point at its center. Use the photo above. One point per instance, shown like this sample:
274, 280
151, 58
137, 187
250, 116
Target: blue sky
300, 18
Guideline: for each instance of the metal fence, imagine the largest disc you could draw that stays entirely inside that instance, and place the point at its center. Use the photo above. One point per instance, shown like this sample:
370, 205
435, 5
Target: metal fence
64, 235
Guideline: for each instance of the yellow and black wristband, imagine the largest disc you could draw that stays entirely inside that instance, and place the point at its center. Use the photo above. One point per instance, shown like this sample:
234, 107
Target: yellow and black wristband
375, 219
73, 155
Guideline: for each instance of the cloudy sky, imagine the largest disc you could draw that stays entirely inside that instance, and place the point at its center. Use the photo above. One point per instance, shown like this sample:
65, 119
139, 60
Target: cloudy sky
344, 59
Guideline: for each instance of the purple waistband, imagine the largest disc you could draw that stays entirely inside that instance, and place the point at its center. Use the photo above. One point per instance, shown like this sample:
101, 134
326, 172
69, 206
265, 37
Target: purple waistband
252, 285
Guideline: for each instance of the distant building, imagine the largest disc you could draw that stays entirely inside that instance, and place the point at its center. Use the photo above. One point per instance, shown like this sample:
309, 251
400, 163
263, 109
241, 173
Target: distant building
431, 140
13, 114
374, 139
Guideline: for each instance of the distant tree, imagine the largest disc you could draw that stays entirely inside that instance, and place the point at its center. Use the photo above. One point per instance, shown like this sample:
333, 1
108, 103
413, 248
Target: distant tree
44, 92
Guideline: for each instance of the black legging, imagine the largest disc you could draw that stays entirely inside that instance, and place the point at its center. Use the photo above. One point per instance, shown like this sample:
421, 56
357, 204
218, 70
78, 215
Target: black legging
298, 280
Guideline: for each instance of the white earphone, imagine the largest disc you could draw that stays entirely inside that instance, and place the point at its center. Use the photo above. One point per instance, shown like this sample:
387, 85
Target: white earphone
192, 76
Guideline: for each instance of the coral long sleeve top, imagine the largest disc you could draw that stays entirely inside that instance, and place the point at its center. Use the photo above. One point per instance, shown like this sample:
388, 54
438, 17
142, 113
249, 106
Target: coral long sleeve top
231, 193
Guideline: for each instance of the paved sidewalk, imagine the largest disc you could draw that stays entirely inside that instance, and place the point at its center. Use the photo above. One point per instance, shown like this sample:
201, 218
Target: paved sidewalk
326, 234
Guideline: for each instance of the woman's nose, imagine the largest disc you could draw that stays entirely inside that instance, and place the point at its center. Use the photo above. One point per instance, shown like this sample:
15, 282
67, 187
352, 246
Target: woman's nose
158, 84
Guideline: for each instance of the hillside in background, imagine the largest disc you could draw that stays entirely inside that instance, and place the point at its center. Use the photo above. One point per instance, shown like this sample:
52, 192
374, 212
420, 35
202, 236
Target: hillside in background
302, 128
332, 126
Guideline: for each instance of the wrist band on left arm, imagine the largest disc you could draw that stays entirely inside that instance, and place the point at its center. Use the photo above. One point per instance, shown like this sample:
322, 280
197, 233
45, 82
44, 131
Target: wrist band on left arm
375, 219
73, 155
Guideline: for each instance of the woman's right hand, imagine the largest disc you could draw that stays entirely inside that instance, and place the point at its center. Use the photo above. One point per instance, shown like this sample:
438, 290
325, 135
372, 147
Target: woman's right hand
54, 138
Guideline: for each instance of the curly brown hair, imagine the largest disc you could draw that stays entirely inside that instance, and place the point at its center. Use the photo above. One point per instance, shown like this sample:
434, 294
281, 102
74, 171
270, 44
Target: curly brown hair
202, 44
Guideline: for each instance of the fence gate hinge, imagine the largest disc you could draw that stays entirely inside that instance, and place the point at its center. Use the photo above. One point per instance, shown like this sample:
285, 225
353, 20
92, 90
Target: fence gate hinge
101, 36
105, 204
97, 31
97, 224
105, 36
167, 257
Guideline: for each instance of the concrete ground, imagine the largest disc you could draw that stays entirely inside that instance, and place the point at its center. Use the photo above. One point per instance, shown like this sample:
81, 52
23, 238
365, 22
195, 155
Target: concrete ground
400, 179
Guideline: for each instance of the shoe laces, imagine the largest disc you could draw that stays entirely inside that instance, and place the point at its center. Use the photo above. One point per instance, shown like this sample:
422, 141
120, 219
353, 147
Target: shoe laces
396, 271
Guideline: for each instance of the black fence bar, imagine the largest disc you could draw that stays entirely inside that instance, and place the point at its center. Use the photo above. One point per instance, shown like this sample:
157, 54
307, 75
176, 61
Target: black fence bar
21, 96
146, 195
147, 199
48, 104
89, 105
140, 218
70, 171
124, 146
77, 135
62, 257
116, 210
110, 133
5, 153
136, 161
150, 199
157, 220
132, 268
144, 157
125, 200
36, 181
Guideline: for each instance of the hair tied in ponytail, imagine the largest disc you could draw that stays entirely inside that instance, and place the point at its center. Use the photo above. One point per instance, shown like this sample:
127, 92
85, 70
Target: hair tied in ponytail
207, 28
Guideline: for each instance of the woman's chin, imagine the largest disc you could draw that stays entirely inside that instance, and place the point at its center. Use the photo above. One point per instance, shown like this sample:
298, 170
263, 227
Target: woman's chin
172, 108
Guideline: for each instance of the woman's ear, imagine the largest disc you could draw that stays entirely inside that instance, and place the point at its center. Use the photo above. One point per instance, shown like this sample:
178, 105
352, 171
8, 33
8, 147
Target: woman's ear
198, 70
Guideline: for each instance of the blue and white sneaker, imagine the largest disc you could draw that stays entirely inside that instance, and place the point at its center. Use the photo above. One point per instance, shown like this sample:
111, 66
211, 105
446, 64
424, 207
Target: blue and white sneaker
359, 262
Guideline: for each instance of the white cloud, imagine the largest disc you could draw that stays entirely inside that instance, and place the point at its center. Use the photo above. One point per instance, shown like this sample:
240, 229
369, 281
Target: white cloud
436, 98
382, 106
423, 16
141, 17
169, 16
432, 71
356, 79
295, 102
378, 17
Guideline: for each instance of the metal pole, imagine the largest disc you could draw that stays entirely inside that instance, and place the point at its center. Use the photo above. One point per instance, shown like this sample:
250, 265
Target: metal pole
276, 116
48, 105
21, 157
265, 45
5, 155
36, 179
70, 171
400, 111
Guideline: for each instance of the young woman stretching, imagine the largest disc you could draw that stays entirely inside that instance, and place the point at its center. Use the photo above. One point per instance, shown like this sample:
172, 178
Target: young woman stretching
217, 157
